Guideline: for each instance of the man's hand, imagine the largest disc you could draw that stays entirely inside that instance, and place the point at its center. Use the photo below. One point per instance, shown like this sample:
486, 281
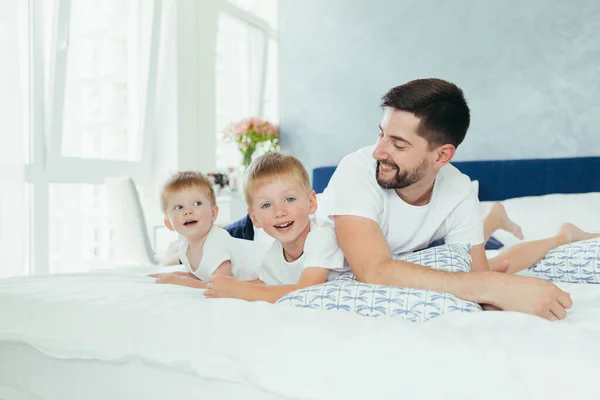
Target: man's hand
529, 295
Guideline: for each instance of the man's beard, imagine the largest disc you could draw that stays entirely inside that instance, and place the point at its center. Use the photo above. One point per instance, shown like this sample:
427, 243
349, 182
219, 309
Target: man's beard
402, 178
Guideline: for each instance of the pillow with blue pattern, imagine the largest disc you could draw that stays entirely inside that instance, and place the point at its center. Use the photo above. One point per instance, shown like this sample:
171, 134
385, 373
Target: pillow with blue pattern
491, 244
577, 262
416, 305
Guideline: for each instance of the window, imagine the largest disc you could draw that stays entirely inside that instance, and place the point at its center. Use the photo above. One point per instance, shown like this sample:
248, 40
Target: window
76, 78
15, 199
263, 9
79, 229
246, 69
101, 105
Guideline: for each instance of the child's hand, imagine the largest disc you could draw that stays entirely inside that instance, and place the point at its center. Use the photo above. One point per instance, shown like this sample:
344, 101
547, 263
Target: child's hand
222, 287
180, 273
173, 279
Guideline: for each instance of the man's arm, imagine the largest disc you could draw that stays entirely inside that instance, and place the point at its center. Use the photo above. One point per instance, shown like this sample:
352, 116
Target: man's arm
226, 287
368, 253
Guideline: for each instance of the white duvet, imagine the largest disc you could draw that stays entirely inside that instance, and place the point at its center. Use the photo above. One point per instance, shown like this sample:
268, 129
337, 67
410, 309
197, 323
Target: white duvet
307, 354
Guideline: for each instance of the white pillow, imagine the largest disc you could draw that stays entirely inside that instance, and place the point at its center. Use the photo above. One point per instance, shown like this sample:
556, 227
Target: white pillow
475, 186
416, 305
541, 216
577, 262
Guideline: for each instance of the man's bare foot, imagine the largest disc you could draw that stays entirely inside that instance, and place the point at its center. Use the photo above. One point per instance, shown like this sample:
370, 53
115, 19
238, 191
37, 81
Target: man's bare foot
506, 223
569, 233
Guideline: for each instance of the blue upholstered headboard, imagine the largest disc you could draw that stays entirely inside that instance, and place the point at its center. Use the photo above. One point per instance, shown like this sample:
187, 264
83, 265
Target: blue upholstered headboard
505, 179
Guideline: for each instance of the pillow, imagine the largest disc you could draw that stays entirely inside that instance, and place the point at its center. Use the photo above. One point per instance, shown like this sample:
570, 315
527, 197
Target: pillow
475, 186
491, 244
416, 305
577, 262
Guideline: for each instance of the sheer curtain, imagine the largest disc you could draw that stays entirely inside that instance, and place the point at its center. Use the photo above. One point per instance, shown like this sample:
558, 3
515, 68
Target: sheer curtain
77, 99
14, 139
103, 89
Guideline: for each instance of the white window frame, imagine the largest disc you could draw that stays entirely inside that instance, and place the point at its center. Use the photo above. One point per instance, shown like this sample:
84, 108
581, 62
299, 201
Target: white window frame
196, 60
47, 164
269, 33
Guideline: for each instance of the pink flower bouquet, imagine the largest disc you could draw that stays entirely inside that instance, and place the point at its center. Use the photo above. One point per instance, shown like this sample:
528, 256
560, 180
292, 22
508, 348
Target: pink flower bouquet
253, 133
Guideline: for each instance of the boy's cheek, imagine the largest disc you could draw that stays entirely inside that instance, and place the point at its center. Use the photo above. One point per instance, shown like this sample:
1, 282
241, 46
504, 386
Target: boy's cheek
264, 222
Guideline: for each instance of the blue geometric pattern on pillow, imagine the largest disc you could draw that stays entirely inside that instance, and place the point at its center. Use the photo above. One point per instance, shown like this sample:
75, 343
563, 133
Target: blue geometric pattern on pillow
416, 305
577, 262
491, 244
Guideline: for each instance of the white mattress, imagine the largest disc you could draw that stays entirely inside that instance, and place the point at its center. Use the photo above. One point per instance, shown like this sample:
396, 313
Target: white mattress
125, 320
28, 374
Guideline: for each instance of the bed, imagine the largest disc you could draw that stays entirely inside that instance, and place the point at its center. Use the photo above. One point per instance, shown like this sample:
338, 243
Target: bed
115, 334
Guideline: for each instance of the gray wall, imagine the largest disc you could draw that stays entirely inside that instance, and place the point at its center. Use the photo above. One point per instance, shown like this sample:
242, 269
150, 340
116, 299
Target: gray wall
530, 71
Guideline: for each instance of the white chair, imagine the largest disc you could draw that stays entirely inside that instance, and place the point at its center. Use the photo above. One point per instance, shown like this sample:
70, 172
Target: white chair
131, 244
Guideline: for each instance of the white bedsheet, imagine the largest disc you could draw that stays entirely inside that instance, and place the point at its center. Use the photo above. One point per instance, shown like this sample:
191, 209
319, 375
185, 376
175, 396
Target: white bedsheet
27, 374
306, 354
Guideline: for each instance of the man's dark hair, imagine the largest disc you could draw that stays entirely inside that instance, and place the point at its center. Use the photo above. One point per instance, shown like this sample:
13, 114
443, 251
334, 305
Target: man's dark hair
440, 105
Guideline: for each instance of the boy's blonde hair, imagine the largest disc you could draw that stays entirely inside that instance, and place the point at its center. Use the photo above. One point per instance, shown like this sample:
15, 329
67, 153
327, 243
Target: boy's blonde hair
186, 180
270, 167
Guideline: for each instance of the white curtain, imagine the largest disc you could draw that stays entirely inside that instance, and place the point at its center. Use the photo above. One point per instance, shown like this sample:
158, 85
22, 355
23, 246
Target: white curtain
14, 117
18, 136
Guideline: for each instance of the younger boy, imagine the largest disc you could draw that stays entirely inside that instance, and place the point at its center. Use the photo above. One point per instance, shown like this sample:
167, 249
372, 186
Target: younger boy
281, 202
189, 204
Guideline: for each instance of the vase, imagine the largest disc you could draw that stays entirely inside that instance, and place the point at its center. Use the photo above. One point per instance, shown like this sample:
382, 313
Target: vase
247, 159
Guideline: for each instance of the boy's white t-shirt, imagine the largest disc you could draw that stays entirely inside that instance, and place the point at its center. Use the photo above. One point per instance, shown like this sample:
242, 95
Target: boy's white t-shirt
452, 214
219, 247
321, 249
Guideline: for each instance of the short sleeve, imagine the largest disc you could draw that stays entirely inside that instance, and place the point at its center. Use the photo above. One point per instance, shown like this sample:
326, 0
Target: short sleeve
353, 189
322, 250
217, 249
272, 258
465, 222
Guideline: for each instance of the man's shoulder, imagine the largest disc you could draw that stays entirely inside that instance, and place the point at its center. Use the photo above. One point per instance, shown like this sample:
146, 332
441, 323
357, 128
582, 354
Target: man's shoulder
454, 181
357, 167
362, 156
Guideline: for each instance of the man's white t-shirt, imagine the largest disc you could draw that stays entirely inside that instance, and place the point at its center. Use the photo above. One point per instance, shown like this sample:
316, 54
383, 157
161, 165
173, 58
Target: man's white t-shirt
321, 250
219, 247
452, 213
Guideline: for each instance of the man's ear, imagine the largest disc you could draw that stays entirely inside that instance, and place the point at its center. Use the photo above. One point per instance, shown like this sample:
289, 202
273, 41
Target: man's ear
168, 225
444, 154
313, 202
254, 219
215, 213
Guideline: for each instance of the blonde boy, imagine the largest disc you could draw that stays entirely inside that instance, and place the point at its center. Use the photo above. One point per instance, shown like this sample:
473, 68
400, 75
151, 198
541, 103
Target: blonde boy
189, 205
281, 202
